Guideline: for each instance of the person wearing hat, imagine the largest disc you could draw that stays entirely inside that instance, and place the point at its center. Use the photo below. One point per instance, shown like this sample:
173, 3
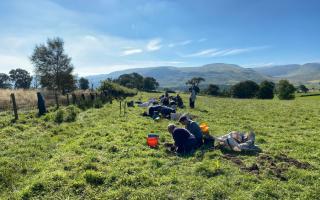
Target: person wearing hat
193, 128
184, 141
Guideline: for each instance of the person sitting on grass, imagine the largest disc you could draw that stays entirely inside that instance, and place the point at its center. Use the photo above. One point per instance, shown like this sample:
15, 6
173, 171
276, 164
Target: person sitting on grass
238, 141
179, 101
193, 128
184, 141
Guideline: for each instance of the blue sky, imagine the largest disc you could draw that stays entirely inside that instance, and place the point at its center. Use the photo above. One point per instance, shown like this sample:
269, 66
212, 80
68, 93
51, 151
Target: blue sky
107, 35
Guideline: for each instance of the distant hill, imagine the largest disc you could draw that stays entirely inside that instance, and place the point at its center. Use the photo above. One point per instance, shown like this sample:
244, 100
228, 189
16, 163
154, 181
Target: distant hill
167, 76
221, 74
306, 73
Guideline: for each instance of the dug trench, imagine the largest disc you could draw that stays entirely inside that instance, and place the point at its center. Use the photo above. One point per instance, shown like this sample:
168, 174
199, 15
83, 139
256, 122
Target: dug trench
276, 166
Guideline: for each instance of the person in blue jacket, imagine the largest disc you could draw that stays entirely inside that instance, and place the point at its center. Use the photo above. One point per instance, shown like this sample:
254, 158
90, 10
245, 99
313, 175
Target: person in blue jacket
184, 141
193, 128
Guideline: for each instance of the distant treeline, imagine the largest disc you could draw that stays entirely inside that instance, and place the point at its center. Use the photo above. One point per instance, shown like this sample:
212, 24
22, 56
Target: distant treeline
250, 89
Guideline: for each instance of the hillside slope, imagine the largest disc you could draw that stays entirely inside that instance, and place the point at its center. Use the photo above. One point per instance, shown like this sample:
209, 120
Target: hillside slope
309, 72
218, 73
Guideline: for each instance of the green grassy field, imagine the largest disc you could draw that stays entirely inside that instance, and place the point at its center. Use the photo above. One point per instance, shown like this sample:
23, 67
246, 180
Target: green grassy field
104, 156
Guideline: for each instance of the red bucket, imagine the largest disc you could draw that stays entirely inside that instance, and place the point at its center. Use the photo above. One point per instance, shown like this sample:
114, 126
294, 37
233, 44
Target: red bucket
153, 140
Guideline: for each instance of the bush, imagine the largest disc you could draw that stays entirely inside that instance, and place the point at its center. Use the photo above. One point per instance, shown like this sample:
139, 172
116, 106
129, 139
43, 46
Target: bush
59, 116
94, 178
71, 113
285, 90
245, 89
266, 90
213, 90
116, 91
68, 114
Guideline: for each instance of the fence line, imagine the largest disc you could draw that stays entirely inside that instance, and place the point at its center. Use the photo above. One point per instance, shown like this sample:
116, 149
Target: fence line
26, 100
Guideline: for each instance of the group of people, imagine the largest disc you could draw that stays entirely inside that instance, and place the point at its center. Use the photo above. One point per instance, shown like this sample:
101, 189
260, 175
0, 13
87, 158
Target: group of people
186, 139
191, 137
164, 108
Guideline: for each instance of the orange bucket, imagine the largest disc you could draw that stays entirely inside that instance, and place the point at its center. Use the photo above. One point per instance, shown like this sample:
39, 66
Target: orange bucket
204, 128
153, 140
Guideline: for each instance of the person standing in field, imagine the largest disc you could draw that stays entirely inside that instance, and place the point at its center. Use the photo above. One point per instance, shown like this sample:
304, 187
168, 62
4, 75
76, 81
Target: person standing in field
193, 128
193, 97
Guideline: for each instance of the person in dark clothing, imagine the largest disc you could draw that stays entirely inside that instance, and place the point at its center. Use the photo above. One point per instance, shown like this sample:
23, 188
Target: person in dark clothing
165, 101
184, 141
166, 111
193, 127
179, 101
154, 110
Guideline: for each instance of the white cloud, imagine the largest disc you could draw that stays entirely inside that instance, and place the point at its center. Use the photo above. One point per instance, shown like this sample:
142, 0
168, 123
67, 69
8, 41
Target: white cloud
202, 40
258, 64
131, 52
202, 53
154, 45
182, 43
224, 52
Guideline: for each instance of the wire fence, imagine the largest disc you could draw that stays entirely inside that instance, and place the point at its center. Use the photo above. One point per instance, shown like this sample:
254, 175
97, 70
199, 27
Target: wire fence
26, 100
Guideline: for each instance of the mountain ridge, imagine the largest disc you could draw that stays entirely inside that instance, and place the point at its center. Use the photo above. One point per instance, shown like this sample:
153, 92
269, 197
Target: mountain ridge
220, 73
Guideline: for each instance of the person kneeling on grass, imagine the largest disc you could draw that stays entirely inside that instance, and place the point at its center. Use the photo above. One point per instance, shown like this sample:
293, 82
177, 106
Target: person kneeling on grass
193, 128
166, 112
156, 110
184, 141
237, 141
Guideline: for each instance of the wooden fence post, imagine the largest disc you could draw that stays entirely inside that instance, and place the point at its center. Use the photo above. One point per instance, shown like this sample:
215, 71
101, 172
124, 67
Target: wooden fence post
68, 100
14, 105
41, 104
56, 98
74, 98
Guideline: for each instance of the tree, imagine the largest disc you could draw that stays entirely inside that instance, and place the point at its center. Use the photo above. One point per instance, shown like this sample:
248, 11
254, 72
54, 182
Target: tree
266, 90
303, 88
213, 90
83, 83
245, 89
4, 81
195, 81
20, 78
150, 83
53, 66
133, 80
285, 90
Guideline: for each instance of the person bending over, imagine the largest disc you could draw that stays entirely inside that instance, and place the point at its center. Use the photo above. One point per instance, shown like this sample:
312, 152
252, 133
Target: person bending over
184, 141
193, 128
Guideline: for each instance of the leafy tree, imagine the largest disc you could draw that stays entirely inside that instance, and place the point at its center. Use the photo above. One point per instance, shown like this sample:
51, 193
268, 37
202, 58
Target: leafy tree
213, 90
245, 89
303, 88
133, 80
4, 81
83, 83
150, 83
195, 81
20, 78
285, 90
266, 90
53, 66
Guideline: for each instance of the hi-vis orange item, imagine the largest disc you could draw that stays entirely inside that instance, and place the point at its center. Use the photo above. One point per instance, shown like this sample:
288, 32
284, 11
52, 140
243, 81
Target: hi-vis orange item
204, 128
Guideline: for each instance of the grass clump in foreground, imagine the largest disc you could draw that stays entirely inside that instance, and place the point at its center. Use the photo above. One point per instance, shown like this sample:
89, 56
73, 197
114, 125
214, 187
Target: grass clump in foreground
100, 155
